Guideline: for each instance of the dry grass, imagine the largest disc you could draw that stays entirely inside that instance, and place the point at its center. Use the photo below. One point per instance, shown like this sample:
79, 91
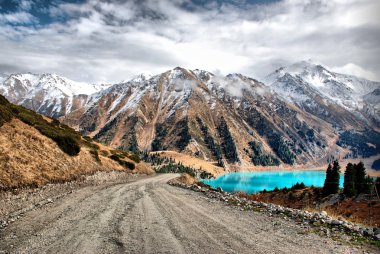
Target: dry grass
360, 210
27, 158
186, 179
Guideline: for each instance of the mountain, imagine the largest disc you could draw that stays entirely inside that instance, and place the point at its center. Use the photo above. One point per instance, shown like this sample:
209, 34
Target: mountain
229, 120
303, 114
48, 94
337, 98
36, 150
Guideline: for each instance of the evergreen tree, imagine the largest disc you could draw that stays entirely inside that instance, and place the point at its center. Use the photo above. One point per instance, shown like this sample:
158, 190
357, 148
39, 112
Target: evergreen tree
336, 176
331, 185
349, 181
211, 144
228, 144
326, 186
361, 184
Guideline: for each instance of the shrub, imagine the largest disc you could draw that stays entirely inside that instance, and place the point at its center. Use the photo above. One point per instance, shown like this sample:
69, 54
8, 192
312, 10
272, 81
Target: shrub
129, 165
90, 145
134, 157
123, 163
68, 144
87, 138
3, 100
104, 152
95, 154
5, 115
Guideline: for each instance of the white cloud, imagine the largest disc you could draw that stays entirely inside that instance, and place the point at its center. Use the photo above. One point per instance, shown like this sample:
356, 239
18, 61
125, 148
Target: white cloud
353, 69
17, 18
109, 41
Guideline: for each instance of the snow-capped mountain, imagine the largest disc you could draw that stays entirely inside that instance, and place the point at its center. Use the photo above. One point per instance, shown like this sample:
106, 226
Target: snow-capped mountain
203, 114
305, 113
316, 89
47, 94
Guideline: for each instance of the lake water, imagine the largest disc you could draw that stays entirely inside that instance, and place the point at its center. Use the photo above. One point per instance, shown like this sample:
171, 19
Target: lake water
251, 182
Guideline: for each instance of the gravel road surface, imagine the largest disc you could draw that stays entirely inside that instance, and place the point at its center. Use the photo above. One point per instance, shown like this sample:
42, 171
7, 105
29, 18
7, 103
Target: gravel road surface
150, 216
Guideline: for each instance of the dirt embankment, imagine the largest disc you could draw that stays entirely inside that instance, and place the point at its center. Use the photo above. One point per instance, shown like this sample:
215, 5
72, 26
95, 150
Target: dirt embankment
363, 209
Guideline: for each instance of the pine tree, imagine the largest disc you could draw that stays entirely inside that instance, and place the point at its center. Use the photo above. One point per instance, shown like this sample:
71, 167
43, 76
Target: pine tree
326, 186
336, 176
361, 184
349, 181
331, 185
228, 144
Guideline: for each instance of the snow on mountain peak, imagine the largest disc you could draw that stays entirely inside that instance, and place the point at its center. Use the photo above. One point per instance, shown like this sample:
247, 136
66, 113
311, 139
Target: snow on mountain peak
303, 81
139, 78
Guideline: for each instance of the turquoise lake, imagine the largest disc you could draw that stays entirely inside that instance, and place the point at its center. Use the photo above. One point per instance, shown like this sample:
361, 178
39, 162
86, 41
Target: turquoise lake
251, 182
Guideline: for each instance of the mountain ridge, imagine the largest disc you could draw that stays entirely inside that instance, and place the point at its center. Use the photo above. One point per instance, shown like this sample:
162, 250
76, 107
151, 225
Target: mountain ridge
183, 110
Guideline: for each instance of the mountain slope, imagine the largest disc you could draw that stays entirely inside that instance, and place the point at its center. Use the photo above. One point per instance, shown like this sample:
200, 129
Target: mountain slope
305, 114
229, 120
48, 94
326, 94
35, 150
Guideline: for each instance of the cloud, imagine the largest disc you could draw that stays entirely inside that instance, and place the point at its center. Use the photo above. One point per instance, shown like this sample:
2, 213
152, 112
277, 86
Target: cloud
109, 41
17, 18
353, 69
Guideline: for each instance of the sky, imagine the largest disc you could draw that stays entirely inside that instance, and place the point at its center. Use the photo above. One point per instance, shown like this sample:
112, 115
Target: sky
109, 41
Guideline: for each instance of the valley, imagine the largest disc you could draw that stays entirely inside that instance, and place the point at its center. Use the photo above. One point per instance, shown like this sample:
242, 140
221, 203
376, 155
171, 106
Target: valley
301, 116
86, 174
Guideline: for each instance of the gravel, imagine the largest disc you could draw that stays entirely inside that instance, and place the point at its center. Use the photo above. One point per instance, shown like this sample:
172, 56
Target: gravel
147, 215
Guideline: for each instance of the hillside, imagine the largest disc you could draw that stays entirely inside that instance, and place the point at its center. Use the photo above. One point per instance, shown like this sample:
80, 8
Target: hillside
302, 115
331, 96
228, 120
36, 150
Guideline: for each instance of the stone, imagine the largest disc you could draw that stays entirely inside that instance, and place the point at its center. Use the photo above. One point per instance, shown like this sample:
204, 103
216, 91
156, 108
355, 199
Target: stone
368, 232
323, 214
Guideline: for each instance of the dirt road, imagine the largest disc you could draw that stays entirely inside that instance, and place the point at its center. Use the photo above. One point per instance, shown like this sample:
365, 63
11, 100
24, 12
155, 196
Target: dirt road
149, 216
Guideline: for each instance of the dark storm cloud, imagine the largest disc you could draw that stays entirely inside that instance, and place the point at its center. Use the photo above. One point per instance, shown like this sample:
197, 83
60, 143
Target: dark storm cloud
107, 41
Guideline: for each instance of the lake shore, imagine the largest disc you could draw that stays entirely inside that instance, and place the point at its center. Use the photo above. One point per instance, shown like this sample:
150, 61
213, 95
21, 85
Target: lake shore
343, 164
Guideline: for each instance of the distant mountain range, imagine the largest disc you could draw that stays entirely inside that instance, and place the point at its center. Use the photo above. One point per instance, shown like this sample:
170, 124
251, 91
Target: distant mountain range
301, 114
48, 94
